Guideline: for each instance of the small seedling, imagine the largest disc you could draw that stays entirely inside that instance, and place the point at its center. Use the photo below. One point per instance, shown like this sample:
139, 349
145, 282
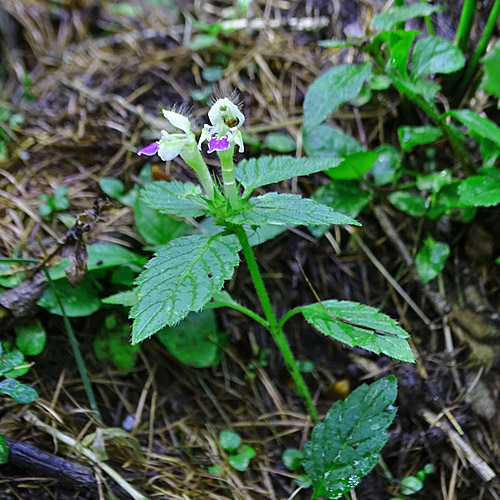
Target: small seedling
51, 204
240, 454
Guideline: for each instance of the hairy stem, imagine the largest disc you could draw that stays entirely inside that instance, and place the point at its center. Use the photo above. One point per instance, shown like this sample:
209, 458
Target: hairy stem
274, 327
227, 166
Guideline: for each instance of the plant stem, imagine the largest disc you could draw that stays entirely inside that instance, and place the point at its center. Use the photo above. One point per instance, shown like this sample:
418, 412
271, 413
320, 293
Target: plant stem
399, 3
77, 353
248, 312
227, 166
465, 24
480, 50
428, 22
274, 327
194, 159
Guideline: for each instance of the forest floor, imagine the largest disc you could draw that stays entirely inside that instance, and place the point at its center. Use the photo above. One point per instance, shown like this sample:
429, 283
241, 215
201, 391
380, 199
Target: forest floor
99, 73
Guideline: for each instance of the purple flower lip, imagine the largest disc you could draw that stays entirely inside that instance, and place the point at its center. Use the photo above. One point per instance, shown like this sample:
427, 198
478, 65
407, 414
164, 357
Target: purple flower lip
150, 150
218, 144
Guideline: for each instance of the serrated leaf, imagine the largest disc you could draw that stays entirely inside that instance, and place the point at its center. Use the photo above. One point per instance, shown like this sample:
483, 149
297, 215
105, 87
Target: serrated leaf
434, 54
183, 199
477, 124
16, 390
491, 62
327, 142
265, 170
182, 277
387, 20
409, 203
480, 191
327, 93
287, 209
346, 445
410, 137
431, 258
359, 325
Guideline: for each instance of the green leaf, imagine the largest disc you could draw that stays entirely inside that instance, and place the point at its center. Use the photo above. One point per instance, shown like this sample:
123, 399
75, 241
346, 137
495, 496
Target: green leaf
282, 143
4, 451
409, 203
292, 458
114, 188
241, 460
203, 41
359, 325
334, 44
31, 338
434, 182
431, 259
434, 54
9, 363
265, 170
386, 20
195, 341
327, 93
127, 298
490, 82
386, 165
410, 137
425, 88
183, 199
400, 43
221, 299
328, 142
411, 485
19, 392
182, 277
480, 191
101, 256
157, 228
287, 209
480, 125
113, 345
346, 445
353, 166
82, 300
230, 441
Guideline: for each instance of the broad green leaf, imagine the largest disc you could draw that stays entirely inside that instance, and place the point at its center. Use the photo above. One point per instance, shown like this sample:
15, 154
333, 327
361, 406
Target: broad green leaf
328, 142
409, 203
400, 43
282, 143
101, 256
480, 125
386, 165
431, 259
359, 325
410, 137
241, 460
411, 485
4, 451
434, 182
287, 209
10, 364
157, 228
230, 441
327, 93
346, 445
182, 277
292, 458
265, 170
31, 338
114, 188
183, 199
82, 300
353, 166
195, 341
425, 88
434, 54
491, 62
16, 390
345, 197
480, 191
386, 20
127, 298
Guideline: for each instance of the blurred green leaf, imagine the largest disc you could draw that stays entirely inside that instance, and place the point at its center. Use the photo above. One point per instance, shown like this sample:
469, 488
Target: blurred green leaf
431, 259
292, 458
282, 143
31, 338
409, 203
410, 137
228, 440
